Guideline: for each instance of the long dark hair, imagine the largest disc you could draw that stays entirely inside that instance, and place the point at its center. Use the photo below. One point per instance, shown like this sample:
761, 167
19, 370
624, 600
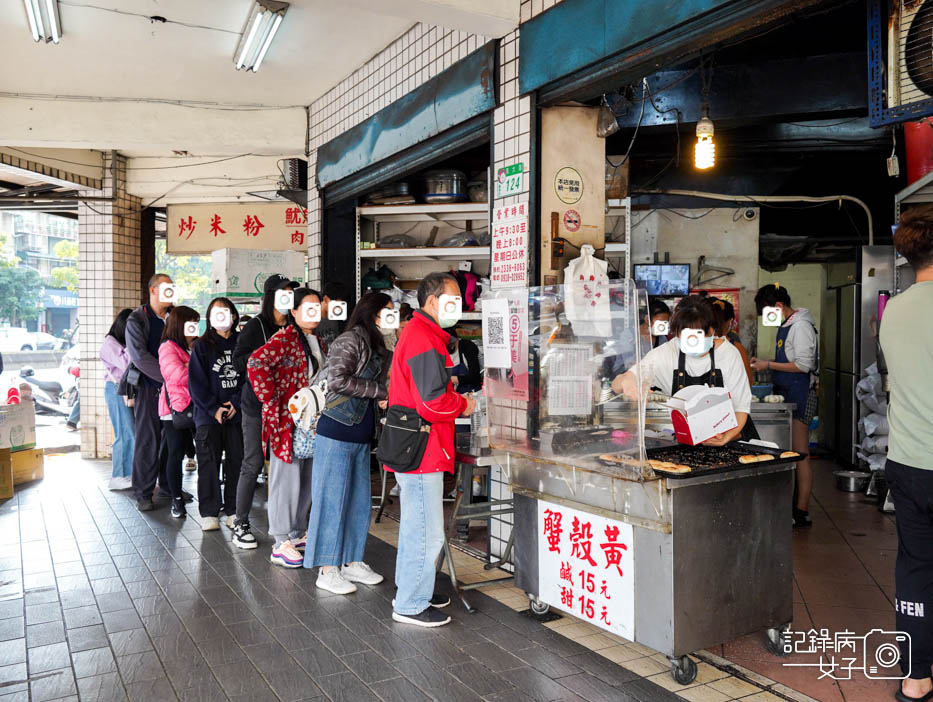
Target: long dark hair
267, 308
174, 329
300, 295
118, 328
364, 316
210, 334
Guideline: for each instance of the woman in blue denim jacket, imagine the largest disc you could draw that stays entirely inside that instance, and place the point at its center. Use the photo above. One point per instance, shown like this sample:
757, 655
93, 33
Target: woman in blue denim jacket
356, 370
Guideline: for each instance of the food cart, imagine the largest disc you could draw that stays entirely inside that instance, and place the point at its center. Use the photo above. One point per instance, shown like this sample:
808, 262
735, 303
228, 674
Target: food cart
676, 562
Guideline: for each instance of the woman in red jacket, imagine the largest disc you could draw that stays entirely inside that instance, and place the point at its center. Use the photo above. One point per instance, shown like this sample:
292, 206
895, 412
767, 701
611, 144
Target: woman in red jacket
173, 363
288, 362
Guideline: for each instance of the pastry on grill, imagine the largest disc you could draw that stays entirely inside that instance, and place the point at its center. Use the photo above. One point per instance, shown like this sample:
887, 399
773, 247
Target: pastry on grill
765, 457
750, 458
790, 454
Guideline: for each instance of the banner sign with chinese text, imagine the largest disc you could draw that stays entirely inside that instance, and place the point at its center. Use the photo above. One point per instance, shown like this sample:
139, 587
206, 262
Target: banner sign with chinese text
203, 228
508, 266
586, 567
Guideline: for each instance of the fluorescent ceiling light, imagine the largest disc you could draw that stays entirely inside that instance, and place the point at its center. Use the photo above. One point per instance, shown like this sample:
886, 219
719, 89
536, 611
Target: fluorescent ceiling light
261, 26
44, 20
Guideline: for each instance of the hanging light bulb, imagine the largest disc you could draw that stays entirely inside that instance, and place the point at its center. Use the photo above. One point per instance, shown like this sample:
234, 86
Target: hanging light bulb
607, 124
705, 153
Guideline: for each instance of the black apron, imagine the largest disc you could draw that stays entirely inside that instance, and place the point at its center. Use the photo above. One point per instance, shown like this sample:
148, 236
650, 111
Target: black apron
713, 378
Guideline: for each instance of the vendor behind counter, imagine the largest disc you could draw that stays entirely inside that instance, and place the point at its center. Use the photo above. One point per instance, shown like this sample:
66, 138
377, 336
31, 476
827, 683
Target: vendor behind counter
718, 364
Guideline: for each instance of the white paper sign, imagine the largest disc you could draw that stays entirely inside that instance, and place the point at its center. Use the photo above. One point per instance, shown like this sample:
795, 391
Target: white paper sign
508, 266
586, 567
496, 352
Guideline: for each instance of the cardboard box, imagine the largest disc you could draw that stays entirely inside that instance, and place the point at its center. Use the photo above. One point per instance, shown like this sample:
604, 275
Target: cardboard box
18, 426
27, 466
699, 412
6, 477
242, 272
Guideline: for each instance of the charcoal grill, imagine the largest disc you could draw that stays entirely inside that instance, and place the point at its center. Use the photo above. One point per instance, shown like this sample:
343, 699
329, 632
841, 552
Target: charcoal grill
705, 460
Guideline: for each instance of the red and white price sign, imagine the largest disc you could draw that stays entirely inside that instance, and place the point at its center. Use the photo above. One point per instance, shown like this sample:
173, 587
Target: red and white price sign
508, 266
586, 567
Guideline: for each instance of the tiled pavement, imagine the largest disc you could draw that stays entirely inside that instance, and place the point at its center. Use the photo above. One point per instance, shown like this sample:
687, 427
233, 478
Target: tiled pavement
100, 602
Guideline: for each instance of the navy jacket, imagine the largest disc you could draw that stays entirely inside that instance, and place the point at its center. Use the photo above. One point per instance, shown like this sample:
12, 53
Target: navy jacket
213, 380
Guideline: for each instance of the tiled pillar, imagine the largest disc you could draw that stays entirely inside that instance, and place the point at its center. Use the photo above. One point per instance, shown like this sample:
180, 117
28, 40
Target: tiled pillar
108, 270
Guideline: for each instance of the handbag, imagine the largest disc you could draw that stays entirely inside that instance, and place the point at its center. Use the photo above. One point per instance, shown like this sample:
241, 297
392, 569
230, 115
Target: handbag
183, 419
129, 382
302, 443
404, 439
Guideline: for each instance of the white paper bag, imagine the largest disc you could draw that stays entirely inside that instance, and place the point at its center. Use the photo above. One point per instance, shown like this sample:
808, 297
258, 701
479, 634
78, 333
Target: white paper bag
586, 292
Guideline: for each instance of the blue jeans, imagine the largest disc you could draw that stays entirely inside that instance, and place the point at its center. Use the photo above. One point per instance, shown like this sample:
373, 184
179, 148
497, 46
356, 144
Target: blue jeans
124, 431
420, 539
75, 415
341, 502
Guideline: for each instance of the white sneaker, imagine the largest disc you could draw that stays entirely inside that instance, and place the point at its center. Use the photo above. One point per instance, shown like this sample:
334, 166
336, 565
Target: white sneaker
191, 466
394, 492
334, 582
301, 542
229, 521
287, 556
120, 483
359, 572
210, 524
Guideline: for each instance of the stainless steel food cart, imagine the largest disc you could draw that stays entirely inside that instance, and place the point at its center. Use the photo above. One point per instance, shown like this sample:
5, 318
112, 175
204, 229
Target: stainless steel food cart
688, 562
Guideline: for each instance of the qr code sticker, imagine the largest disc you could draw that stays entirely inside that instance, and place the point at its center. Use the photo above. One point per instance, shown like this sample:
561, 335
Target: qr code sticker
496, 331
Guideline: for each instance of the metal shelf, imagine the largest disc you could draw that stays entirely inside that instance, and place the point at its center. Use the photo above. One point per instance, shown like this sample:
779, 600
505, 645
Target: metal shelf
614, 248
458, 211
428, 253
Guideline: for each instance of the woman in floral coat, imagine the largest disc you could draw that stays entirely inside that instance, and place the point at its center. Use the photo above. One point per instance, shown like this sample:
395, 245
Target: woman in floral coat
288, 362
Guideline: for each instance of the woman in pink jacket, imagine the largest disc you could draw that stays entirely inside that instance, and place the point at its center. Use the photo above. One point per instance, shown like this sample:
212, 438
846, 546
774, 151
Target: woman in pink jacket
181, 330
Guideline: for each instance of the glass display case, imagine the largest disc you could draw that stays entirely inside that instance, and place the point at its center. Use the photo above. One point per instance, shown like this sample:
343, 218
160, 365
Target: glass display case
551, 355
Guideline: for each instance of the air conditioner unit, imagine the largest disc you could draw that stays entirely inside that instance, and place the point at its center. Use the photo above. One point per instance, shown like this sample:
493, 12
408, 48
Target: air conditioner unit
910, 53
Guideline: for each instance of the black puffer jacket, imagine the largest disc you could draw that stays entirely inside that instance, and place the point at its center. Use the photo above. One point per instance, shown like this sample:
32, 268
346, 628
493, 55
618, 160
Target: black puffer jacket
347, 357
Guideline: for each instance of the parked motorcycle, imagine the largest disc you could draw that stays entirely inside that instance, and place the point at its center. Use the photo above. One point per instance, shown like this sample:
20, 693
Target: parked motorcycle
47, 393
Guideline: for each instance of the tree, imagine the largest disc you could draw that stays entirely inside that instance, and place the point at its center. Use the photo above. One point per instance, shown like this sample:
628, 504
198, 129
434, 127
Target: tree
65, 277
66, 249
20, 294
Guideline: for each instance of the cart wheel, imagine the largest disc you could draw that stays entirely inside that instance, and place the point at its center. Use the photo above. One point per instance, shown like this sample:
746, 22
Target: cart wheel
776, 641
538, 607
683, 670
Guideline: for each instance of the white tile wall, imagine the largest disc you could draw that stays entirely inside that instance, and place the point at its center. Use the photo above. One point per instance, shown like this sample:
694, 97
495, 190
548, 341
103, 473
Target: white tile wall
108, 274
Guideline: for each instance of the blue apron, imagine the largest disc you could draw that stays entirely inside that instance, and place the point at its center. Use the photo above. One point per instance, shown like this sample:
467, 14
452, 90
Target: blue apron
795, 387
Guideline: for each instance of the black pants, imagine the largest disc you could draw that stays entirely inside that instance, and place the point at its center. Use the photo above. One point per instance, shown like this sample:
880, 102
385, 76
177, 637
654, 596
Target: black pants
253, 461
176, 442
148, 457
912, 491
212, 441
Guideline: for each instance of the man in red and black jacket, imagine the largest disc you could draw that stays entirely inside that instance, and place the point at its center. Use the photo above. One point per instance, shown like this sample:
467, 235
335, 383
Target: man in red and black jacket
420, 379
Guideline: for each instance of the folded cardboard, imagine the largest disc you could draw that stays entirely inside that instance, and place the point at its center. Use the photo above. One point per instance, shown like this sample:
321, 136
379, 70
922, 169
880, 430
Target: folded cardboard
242, 272
700, 412
27, 465
18, 426
6, 479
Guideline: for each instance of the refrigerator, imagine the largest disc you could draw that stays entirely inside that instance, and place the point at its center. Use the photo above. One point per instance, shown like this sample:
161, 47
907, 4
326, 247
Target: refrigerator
848, 321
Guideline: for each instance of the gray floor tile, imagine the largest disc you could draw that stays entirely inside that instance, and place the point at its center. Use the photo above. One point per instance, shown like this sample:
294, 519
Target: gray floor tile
647, 691
370, 667
50, 657
346, 687
163, 624
292, 684
13, 678
536, 685
399, 690
240, 679
11, 608
130, 641
137, 667
319, 661
392, 648
87, 637
102, 688
12, 628
207, 691
480, 679
493, 657
602, 668
121, 620
435, 681
12, 651
221, 649
52, 685
188, 672
341, 641
95, 661
82, 616
178, 645
44, 634
149, 690
250, 633
547, 662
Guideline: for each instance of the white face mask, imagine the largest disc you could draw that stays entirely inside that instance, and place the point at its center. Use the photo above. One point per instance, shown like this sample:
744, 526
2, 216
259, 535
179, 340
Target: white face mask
449, 310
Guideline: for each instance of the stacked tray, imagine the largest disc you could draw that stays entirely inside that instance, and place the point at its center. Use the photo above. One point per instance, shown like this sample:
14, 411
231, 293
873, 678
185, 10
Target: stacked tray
681, 461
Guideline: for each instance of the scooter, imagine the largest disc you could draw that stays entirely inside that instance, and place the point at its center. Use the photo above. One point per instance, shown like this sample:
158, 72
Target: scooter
47, 393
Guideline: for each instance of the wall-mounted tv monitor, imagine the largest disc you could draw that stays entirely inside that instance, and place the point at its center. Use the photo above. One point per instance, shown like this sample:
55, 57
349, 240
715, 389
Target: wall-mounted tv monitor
663, 278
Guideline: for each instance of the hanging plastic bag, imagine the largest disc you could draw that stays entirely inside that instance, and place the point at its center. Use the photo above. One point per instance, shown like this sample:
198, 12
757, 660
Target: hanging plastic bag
586, 294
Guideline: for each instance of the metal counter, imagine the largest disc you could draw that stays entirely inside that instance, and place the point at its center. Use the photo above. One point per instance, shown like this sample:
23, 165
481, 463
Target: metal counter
712, 554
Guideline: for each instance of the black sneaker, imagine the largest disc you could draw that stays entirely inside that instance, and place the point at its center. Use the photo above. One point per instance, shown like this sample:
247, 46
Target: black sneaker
242, 536
802, 518
178, 509
429, 618
145, 505
188, 497
438, 600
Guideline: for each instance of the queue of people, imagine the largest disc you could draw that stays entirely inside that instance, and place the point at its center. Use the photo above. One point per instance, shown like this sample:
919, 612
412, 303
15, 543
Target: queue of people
231, 394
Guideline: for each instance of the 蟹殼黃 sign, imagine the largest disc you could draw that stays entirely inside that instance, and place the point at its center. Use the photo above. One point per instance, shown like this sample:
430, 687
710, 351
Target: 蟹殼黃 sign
586, 567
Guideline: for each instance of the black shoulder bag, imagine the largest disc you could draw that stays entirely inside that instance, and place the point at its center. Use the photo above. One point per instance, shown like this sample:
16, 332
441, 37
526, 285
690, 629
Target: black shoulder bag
404, 439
